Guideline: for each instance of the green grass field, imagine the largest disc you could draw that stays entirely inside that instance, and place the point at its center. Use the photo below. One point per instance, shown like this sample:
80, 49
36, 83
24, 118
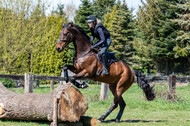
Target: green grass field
138, 112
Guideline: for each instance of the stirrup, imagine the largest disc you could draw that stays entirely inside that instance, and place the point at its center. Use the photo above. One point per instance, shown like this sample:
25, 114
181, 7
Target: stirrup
105, 71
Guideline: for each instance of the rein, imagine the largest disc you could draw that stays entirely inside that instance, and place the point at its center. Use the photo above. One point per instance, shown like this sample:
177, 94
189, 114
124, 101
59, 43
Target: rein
86, 53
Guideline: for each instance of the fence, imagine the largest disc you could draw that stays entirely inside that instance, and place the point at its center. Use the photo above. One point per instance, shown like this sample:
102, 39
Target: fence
29, 79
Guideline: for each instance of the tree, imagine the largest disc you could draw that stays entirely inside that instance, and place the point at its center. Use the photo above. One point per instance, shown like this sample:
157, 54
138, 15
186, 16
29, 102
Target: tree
15, 36
46, 60
157, 32
85, 9
122, 29
29, 37
182, 47
101, 7
109, 18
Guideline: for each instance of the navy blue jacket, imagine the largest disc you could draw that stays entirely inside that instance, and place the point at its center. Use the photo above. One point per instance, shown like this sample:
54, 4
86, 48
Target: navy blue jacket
101, 33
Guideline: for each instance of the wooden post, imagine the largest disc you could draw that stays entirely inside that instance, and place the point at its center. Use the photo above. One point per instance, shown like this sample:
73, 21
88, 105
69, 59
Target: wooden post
62, 75
51, 84
171, 87
104, 91
28, 86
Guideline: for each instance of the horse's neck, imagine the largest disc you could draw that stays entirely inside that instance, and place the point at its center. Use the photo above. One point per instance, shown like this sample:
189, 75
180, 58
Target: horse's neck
82, 46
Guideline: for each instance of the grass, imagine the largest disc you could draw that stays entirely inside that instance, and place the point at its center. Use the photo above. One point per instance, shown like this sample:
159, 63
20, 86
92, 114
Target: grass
138, 110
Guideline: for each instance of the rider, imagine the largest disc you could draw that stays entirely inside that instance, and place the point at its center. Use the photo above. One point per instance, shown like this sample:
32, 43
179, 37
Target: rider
102, 34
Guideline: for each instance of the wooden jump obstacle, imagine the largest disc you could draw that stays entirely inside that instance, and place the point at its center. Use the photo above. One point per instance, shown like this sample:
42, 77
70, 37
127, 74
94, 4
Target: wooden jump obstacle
63, 104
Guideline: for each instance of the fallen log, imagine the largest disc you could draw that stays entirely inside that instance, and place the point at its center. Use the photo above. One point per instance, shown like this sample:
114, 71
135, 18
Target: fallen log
71, 104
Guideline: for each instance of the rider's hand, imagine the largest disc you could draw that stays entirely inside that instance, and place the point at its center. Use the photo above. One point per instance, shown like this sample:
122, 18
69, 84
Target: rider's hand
92, 47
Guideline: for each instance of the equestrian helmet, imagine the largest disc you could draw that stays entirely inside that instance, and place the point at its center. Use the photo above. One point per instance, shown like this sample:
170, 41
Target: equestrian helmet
91, 18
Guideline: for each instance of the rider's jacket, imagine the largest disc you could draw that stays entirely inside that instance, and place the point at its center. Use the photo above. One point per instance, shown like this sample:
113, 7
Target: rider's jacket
101, 33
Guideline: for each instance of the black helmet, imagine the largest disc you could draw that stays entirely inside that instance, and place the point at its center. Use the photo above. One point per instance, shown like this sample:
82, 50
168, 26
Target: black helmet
91, 18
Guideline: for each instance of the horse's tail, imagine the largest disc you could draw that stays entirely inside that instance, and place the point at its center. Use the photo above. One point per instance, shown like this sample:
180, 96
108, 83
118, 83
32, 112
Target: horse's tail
144, 85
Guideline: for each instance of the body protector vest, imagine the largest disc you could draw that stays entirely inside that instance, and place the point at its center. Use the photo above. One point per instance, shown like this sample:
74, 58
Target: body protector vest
95, 32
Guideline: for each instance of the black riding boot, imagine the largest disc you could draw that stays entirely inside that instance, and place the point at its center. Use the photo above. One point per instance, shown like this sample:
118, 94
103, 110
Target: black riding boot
105, 65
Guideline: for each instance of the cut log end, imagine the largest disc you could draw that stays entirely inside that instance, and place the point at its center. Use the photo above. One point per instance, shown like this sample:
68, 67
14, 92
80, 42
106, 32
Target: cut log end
1, 108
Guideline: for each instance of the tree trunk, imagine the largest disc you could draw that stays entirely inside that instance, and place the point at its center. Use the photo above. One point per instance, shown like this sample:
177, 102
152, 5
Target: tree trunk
71, 104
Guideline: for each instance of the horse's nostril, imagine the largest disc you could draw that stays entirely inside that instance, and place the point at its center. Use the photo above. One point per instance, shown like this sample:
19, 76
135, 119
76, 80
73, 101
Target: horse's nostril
58, 49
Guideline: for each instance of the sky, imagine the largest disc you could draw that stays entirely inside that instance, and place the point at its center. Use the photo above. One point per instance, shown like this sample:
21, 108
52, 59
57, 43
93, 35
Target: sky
130, 3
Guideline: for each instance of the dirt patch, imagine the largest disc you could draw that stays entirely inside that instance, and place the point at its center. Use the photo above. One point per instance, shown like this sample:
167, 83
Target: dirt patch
178, 84
181, 84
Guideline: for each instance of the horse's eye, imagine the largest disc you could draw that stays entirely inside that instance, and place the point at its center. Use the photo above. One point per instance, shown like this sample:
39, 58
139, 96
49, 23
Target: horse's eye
66, 34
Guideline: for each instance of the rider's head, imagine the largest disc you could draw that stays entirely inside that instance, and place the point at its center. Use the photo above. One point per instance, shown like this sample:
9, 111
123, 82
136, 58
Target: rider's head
91, 19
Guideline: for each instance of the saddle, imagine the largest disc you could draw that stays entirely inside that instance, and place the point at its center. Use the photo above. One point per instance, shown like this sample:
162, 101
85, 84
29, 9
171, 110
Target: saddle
110, 57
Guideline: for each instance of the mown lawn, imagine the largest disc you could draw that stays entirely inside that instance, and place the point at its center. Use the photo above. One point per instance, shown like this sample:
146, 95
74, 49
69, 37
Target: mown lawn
138, 112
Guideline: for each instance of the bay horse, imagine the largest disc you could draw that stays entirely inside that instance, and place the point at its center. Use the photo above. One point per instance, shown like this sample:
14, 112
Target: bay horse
86, 64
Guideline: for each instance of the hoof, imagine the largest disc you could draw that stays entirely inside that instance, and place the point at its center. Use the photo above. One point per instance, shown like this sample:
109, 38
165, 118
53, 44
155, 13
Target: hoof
117, 120
84, 85
100, 120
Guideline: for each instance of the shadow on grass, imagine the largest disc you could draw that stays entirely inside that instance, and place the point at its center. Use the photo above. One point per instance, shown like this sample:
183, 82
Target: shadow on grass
134, 121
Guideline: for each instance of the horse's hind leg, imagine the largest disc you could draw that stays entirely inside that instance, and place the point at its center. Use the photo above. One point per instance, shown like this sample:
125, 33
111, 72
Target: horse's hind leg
122, 107
120, 88
113, 106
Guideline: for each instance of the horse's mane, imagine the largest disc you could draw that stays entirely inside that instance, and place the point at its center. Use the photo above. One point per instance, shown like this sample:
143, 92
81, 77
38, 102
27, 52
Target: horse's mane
78, 27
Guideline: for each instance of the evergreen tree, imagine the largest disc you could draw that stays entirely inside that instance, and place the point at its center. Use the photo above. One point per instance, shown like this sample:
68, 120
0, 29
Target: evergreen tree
109, 18
85, 9
101, 7
157, 32
182, 47
122, 33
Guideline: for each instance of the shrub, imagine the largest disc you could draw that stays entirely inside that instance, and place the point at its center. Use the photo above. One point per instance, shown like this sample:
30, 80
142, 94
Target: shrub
8, 82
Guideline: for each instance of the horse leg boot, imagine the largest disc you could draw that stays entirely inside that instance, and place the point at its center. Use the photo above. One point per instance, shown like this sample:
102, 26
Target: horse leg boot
77, 84
66, 73
105, 64
72, 79
65, 68
80, 75
113, 106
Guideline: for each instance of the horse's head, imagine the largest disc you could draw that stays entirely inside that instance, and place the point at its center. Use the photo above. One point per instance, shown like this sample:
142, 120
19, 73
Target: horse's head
65, 37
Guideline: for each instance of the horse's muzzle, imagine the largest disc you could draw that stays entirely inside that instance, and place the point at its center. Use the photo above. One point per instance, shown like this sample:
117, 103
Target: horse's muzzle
58, 49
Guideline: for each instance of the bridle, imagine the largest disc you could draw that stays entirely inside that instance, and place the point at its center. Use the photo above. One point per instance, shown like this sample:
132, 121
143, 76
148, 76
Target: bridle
68, 34
67, 40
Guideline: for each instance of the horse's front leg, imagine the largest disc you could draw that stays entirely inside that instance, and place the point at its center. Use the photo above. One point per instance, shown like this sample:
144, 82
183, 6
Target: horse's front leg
65, 69
80, 75
74, 78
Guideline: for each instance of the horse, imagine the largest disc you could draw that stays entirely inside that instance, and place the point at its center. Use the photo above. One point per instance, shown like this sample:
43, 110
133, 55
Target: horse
86, 64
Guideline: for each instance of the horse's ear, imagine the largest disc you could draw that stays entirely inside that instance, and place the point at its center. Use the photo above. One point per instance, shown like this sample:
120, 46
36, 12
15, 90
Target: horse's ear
70, 24
63, 24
